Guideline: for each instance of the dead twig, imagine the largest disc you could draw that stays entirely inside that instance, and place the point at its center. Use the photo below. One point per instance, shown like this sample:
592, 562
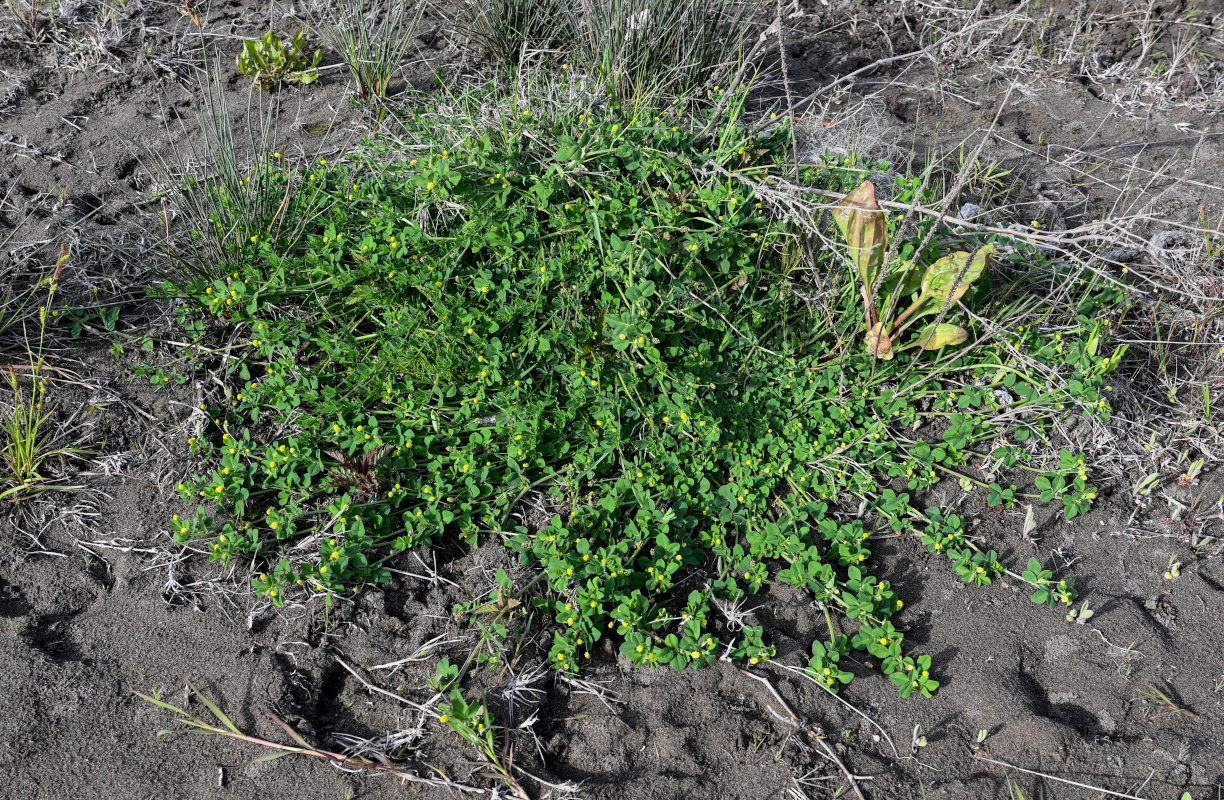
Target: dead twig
811, 734
424, 709
803, 674
980, 757
228, 729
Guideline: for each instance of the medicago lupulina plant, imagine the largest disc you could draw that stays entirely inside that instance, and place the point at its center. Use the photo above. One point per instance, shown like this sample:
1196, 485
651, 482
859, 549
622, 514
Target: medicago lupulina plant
578, 304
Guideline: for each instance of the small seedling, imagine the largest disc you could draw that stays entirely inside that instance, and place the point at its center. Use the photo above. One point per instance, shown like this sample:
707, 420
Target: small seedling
997, 496
1159, 698
1082, 615
447, 673
1145, 485
1174, 570
1190, 476
918, 739
270, 60
28, 14
28, 441
474, 722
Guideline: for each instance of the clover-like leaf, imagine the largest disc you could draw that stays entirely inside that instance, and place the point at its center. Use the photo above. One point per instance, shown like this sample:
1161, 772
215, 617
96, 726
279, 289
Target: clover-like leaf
933, 337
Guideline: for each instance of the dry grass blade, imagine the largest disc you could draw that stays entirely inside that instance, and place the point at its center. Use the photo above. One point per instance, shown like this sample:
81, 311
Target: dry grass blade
804, 674
228, 729
811, 734
1093, 789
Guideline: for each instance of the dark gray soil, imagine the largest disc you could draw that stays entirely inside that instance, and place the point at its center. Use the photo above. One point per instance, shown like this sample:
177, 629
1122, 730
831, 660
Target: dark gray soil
98, 602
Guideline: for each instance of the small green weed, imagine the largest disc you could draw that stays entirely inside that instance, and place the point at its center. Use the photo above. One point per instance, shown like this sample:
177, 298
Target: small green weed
474, 722
27, 444
493, 618
270, 60
1159, 698
595, 305
446, 675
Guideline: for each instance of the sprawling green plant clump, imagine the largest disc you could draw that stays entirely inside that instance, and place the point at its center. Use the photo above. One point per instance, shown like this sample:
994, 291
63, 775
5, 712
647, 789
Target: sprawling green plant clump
593, 305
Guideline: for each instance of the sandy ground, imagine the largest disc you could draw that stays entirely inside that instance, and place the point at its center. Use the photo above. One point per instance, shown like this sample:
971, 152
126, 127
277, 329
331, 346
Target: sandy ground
100, 603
